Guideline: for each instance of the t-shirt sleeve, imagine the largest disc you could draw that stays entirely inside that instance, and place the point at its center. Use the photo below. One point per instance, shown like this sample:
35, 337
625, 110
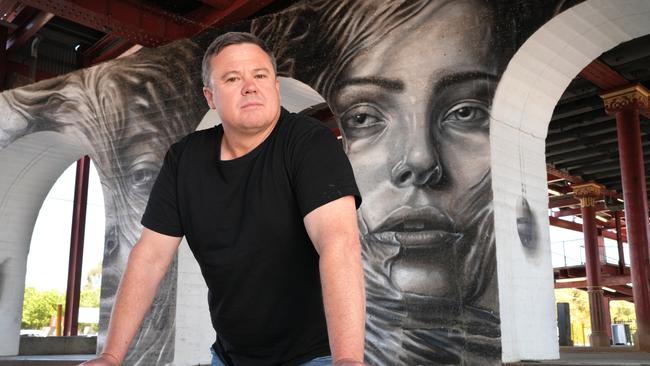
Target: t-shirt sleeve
322, 172
161, 214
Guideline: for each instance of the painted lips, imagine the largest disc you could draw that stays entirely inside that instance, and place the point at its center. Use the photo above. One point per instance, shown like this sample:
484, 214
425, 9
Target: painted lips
424, 227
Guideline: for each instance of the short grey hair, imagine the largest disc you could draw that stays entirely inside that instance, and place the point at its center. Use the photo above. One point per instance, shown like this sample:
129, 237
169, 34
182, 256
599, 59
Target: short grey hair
229, 39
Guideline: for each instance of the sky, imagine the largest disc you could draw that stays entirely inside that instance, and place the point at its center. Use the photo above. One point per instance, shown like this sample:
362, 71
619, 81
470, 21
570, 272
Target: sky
47, 262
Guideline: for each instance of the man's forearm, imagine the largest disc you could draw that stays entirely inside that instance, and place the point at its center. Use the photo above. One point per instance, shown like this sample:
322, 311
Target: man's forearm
344, 298
133, 299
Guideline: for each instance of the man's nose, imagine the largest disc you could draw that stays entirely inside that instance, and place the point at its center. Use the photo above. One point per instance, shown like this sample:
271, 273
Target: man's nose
420, 166
249, 86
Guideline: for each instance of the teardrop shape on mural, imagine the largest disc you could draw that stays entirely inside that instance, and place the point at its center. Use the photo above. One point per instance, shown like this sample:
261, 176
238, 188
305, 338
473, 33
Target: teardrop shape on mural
526, 224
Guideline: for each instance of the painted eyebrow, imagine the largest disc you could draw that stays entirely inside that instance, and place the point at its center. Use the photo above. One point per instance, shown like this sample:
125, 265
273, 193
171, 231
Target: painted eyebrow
461, 77
385, 83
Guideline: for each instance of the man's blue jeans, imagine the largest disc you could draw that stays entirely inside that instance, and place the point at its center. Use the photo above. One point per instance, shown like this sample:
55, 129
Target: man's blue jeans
320, 361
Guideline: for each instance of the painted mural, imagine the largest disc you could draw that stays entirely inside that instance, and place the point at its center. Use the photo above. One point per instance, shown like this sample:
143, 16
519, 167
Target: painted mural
410, 83
119, 113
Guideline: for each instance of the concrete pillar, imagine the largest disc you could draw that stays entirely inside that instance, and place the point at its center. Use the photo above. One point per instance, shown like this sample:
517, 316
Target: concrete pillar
587, 194
625, 104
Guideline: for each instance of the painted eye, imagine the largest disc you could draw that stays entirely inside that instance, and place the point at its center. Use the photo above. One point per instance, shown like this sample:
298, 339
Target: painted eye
142, 175
467, 114
362, 121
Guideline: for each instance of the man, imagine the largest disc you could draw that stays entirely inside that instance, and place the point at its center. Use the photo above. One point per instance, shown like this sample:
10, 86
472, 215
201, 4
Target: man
252, 196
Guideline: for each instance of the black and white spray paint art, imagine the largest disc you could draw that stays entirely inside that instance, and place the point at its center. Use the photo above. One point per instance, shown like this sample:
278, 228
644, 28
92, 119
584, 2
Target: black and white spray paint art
410, 83
119, 112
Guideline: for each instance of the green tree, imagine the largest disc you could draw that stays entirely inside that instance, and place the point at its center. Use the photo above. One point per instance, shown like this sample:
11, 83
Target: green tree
39, 307
89, 298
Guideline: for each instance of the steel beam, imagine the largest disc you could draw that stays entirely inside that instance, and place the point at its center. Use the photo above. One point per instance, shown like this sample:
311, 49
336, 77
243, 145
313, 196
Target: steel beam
603, 76
25, 32
576, 211
550, 169
147, 26
135, 22
577, 227
9, 10
609, 281
238, 10
218, 4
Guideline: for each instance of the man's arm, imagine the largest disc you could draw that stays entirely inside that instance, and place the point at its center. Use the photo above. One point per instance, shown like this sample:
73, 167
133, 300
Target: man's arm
147, 265
334, 231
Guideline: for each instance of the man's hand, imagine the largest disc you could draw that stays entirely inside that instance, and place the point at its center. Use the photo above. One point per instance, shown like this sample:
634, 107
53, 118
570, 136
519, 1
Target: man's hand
104, 359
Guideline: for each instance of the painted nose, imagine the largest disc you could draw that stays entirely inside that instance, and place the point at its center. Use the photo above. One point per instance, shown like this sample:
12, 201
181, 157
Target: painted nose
419, 167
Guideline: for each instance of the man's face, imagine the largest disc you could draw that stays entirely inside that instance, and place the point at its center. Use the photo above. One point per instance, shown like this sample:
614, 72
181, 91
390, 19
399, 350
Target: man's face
244, 89
414, 113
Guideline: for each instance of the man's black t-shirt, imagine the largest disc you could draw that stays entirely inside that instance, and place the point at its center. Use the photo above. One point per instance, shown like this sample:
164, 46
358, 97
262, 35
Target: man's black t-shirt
243, 220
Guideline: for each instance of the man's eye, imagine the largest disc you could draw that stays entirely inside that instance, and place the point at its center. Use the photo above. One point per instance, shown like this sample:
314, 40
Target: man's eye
231, 79
468, 114
362, 121
260, 76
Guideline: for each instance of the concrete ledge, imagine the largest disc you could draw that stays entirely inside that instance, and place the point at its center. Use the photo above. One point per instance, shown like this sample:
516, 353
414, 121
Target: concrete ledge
30, 345
66, 360
610, 349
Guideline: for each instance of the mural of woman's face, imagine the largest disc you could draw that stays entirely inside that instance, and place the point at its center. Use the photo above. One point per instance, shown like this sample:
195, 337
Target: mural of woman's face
413, 111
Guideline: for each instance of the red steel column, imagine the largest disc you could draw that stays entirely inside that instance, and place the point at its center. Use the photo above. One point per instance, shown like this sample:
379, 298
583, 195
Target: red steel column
73, 292
619, 242
3, 58
625, 104
587, 194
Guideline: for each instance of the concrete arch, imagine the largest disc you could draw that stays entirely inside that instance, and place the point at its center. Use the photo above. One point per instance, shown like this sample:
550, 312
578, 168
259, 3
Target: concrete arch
29, 167
523, 105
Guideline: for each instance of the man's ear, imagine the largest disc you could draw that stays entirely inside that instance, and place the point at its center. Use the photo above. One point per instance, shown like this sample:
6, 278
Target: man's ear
208, 94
